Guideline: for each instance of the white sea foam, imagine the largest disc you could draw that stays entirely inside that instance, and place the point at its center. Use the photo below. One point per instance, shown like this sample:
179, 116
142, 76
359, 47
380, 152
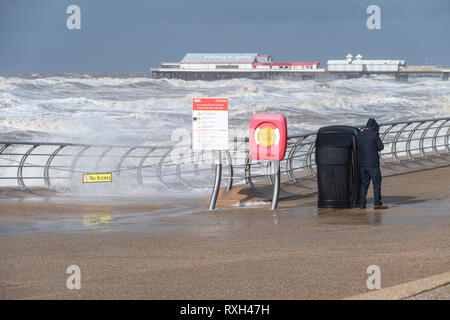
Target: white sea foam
45, 123
139, 108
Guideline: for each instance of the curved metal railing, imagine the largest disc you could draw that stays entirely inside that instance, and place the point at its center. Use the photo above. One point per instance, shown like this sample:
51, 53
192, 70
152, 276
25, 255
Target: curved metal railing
51, 164
178, 168
404, 141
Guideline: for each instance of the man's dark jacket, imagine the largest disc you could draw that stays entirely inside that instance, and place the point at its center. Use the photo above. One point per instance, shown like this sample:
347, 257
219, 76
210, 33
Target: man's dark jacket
369, 143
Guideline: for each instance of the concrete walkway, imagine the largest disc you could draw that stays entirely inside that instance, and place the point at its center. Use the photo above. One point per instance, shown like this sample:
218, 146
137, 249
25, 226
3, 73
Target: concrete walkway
434, 287
136, 248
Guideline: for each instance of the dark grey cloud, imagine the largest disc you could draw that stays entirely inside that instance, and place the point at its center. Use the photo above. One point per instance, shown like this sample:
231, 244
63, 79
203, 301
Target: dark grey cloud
133, 35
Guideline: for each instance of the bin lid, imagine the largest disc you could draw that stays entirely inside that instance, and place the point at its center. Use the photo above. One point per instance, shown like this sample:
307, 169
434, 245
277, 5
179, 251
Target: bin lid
336, 137
340, 129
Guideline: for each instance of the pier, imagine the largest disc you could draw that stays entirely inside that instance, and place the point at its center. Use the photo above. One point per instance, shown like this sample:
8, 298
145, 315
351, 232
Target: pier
321, 75
223, 66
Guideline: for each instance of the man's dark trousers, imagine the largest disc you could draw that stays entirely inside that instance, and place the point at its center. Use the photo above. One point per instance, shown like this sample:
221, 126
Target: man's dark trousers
367, 174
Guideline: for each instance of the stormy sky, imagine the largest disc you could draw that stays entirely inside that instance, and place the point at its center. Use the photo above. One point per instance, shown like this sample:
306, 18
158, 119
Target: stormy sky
132, 36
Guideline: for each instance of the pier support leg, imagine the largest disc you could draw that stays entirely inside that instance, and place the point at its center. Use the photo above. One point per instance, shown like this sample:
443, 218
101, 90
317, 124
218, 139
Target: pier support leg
401, 77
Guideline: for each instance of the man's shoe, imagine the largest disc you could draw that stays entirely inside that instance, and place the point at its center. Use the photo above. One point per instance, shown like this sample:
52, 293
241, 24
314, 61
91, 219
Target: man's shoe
362, 207
380, 206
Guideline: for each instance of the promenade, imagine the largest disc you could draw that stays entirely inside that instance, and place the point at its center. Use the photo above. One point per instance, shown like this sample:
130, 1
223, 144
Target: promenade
142, 248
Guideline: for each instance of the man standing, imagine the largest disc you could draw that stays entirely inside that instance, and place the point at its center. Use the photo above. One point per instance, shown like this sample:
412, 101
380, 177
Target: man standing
369, 144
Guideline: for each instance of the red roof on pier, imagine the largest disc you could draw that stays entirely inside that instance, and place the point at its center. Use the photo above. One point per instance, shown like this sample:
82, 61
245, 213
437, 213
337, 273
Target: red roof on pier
285, 63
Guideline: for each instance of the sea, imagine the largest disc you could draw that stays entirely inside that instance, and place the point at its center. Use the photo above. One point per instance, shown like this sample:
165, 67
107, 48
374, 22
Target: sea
130, 110
136, 109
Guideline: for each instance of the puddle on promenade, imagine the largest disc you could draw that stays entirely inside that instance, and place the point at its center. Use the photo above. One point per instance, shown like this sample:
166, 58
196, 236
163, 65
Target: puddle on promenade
193, 216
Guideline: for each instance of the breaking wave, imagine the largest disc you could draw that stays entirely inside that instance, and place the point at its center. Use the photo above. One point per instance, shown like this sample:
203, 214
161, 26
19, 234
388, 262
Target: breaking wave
137, 108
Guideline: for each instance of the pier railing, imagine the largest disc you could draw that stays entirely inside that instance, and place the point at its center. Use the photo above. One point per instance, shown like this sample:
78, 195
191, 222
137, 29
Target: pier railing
29, 165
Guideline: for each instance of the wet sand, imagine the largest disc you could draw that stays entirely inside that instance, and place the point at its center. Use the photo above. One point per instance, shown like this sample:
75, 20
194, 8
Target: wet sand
182, 251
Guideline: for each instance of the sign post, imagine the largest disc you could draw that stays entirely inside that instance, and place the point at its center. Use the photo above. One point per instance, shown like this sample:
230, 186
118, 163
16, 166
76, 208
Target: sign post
210, 132
268, 139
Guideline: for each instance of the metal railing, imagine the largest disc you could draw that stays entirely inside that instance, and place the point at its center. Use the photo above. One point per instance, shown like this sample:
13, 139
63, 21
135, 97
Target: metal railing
49, 164
178, 168
403, 140
407, 140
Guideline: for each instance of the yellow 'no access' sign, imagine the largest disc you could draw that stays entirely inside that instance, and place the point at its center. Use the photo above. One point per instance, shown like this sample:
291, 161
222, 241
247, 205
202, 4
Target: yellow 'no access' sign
97, 177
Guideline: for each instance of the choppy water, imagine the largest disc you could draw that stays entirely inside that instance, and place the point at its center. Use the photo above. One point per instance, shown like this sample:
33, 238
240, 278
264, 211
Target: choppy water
138, 109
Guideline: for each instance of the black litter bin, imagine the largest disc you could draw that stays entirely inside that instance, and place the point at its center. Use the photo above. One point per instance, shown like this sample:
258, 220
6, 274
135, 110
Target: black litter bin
337, 163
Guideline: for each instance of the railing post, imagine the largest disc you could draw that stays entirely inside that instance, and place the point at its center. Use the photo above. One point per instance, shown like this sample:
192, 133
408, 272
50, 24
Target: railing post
268, 167
75, 160
290, 156
217, 180
308, 160
48, 164
382, 136
394, 143
410, 137
160, 164
141, 163
423, 137
102, 155
435, 135
20, 168
122, 159
247, 174
446, 140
